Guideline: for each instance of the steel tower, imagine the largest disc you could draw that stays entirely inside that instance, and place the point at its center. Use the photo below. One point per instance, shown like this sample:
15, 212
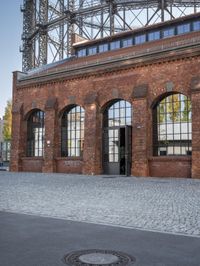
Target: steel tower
49, 26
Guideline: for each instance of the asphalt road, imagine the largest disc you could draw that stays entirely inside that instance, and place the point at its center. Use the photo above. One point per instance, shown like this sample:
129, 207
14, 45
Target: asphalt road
27, 240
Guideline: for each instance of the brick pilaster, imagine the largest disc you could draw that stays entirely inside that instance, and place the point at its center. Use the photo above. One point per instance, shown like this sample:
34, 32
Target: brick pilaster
92, 142
139, 132
195, 98
50, 131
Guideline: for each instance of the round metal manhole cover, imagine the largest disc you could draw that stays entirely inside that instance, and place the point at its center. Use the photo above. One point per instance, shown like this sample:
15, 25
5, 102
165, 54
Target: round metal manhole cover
98, 257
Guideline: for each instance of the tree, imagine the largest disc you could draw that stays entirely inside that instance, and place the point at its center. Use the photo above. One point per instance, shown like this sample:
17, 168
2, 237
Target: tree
7, 121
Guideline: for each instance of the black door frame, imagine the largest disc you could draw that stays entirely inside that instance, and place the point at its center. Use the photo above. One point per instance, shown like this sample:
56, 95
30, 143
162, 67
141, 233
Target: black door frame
114, 167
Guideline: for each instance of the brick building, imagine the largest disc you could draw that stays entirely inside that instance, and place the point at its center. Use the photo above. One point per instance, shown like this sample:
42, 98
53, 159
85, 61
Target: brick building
126, 104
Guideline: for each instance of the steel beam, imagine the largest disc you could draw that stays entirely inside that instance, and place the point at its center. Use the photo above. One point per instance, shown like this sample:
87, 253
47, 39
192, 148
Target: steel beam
48, 25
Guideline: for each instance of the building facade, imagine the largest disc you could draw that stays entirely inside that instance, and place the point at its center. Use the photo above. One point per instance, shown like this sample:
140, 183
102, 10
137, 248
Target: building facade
127, 104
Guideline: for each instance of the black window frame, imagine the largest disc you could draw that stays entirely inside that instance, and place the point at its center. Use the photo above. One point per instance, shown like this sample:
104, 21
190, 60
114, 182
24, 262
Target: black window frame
35, 137
120, 112
70, 135
172, 135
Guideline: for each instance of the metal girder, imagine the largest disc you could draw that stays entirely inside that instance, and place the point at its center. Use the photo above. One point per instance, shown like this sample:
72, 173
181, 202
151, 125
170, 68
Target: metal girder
48, 25
27, 48
43, 19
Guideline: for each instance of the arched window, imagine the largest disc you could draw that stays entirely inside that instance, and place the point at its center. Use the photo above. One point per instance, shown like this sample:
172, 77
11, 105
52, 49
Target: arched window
117, 137
35, 134
73, 132
118, 114
173, 126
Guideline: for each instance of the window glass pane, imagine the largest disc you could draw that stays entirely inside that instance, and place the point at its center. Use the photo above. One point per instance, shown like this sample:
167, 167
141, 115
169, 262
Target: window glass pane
72, 142
127, 42
114, 45
111, 157
168, 32
162, 151
103, 47
117, 117
140, 39
92, 50
116, 157
116, 113
111, 114
177, 150
155, 35
169, 150
173, 125
35, 134
184, 28
81, 52
196, 25
119, 114
111, 133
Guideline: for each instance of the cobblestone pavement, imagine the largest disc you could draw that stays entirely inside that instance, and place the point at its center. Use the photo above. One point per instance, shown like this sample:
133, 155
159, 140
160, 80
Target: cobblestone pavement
166, 205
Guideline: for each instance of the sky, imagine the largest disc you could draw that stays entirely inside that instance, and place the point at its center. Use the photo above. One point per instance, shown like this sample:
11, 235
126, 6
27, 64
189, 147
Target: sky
10, 40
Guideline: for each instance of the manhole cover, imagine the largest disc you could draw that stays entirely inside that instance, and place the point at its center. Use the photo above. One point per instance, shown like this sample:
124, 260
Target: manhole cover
98, 258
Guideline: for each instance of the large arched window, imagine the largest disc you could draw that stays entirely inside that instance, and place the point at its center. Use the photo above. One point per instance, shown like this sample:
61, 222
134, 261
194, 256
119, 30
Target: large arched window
173, 126
35, 134
73, 132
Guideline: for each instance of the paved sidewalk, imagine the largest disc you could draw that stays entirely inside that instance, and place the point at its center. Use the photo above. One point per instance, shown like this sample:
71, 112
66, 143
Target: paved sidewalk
166, 205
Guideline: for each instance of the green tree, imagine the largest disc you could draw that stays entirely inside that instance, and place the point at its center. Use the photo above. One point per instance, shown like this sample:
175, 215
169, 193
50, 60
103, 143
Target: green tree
7, 121
186, 114
173, 107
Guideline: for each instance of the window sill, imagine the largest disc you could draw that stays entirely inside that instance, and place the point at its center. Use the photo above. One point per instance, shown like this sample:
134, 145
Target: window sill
33, 158
79, 158
171, 158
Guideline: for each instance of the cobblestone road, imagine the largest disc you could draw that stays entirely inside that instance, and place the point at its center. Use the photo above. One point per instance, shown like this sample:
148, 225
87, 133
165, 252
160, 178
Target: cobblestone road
166, 205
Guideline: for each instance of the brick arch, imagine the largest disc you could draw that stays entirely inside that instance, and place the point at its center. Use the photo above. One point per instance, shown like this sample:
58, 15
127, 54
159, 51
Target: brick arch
108, 103
161, 96
68, 107
31, 111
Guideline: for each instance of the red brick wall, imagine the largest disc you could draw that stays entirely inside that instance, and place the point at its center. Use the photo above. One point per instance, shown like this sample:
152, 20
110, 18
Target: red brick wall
170, 167
32, 164
65, 165
102, 88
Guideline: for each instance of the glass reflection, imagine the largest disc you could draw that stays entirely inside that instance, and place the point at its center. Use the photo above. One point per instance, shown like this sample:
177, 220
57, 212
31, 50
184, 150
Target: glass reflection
36, 132
73, 132
117, 115
174, 125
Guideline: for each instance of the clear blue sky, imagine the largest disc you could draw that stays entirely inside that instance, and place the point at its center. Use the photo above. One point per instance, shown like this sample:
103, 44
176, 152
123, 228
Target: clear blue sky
10, 40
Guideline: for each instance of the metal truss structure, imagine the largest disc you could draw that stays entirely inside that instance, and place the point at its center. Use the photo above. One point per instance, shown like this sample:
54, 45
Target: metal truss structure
49, 26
